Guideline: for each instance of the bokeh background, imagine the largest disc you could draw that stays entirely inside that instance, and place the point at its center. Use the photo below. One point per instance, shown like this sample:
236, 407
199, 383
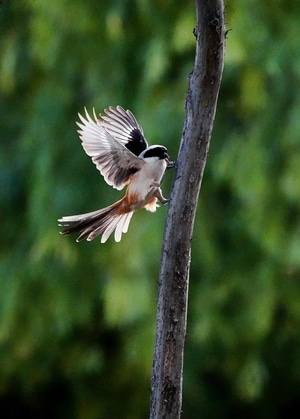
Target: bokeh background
77, 321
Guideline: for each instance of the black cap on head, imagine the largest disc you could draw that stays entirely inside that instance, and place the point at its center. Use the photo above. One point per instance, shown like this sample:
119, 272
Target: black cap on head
155, 151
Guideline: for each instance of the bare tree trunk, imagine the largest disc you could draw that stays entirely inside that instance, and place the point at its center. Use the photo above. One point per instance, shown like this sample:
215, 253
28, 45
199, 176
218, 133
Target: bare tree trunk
204, 84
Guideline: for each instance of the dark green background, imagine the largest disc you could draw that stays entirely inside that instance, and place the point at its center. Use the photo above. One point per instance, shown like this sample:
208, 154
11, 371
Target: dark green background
77, 321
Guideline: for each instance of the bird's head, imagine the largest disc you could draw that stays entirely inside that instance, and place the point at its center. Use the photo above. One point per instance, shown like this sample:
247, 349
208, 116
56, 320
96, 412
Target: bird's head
155, 152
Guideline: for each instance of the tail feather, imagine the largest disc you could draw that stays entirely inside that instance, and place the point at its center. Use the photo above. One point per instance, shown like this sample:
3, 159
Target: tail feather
91, 224
112, 225
122, 226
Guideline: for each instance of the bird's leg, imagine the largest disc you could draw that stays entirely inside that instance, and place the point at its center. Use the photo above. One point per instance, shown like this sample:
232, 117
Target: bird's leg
159, 196
155, 184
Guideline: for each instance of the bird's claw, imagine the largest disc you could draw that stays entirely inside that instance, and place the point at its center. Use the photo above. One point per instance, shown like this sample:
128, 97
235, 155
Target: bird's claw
170, 164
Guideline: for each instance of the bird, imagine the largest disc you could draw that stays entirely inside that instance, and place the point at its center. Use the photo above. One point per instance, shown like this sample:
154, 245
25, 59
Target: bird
117, 145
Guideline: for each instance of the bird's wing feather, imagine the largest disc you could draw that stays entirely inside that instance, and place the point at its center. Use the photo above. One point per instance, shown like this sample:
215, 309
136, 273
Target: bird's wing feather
115, 162
123, 126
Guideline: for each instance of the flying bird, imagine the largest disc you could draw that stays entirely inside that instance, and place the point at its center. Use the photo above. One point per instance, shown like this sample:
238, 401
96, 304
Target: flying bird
116, 143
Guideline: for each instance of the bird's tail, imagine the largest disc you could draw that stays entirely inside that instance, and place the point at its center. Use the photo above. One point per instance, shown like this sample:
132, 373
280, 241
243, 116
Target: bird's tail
92, 224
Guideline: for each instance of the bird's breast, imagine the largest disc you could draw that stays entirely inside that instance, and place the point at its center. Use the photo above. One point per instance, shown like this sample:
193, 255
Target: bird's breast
144, 181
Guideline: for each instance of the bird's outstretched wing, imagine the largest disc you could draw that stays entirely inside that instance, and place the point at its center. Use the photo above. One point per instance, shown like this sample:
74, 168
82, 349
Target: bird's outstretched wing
123, 126
115, 162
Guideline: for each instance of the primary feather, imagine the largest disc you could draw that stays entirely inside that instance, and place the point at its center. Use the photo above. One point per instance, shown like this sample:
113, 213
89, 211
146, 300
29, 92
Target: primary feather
115, 162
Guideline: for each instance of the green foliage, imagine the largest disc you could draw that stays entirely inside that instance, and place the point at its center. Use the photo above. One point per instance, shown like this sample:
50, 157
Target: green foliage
77, 320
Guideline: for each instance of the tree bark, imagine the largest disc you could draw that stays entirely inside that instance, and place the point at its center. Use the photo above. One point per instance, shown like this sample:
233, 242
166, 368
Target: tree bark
204, 84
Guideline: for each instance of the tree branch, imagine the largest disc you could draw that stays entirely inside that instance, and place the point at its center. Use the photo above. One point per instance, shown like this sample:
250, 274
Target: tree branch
204, 84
